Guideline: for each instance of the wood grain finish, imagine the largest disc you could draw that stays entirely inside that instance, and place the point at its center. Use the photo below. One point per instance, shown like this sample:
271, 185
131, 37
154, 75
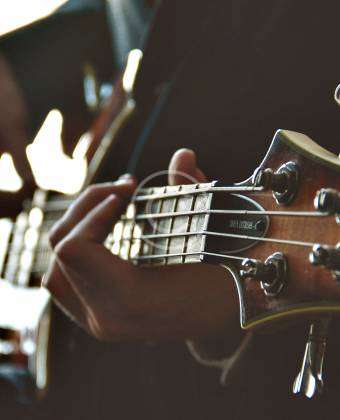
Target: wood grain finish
310, 290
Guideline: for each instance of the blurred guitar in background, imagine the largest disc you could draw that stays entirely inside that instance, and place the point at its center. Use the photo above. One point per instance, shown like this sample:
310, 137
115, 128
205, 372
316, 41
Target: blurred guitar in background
25, 308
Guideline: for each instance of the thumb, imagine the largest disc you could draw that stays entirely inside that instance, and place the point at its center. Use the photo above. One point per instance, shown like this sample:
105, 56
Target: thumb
183, 168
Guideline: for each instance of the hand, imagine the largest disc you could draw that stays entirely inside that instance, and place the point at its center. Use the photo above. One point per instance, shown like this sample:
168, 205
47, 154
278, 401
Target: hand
13, 118
115, 300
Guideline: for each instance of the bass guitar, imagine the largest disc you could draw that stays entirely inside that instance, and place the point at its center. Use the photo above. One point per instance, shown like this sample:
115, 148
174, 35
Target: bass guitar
277, 234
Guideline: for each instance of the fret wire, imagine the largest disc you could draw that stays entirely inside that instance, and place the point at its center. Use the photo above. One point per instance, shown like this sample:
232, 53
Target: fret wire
242, 212
180, 224
234, 189
174, 208
121, 241
155, 225
116, 238
146, 246
206, 222
185, 245
187, 221
143, 244
131, 231
174, 203
11, 267
131, 238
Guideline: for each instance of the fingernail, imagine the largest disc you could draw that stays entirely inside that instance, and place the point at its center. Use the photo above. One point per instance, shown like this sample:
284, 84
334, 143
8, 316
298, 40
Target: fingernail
112, 197
44, 281
125, 176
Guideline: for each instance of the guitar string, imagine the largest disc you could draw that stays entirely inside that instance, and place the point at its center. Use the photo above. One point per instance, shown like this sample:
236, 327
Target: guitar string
59, 205
55, 206
225, 235
228, 211
43, 262
45, 246
186, 254
43, 253
232, 189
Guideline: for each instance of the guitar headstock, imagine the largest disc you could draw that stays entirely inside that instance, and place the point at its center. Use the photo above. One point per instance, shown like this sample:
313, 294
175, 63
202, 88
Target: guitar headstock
281, 234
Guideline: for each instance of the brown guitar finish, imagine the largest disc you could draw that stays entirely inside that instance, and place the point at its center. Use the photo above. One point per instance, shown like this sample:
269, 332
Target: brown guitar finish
310, 291
229, 225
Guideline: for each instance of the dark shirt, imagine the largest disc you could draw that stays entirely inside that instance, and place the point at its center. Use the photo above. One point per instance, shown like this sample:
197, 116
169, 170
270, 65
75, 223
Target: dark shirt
260, 66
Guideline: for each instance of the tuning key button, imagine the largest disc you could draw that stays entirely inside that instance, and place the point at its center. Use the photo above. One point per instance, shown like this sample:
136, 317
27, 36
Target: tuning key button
283, 182
257, 270
328, 200
326, 256
271, 274
270, 180
337, 94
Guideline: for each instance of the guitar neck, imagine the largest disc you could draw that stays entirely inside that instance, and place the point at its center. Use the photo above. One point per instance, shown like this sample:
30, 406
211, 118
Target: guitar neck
163, 225
29, 253
148, 233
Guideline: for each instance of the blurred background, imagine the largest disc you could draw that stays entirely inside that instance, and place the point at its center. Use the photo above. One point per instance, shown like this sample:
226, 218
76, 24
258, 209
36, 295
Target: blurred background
22, 28
61, 63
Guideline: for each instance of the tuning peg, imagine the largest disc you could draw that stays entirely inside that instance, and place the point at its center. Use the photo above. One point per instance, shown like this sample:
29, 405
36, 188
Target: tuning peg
327, 200
326, 256
283, 182
271, 273
309, 381
257, 270
270, 180
337, 95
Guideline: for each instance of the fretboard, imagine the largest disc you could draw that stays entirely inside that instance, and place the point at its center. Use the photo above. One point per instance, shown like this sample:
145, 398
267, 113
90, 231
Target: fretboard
163, 225
29, 253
